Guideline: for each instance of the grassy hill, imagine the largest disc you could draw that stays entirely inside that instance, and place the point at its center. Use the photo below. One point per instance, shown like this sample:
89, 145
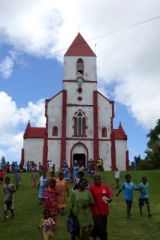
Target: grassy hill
28, 213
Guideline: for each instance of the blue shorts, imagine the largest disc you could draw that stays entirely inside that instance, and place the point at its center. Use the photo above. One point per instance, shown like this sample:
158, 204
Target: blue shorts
129, 202
143, 201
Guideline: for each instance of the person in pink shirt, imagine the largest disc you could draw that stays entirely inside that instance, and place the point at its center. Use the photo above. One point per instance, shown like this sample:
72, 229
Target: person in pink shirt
102, 195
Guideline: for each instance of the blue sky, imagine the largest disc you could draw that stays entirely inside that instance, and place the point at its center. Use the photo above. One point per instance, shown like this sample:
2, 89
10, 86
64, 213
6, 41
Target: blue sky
31, 68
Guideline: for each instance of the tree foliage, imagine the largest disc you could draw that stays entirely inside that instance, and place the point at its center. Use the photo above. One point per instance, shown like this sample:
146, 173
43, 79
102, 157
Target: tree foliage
153, 151
152, 159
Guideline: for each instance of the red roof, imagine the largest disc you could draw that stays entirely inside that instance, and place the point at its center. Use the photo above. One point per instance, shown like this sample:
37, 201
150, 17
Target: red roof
80, 47
119, 133
34, 132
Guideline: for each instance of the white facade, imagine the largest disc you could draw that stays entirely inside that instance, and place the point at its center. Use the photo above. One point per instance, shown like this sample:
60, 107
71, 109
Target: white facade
79, 119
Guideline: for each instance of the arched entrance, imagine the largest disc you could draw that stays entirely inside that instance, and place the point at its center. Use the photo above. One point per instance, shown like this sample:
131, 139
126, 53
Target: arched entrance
79, 153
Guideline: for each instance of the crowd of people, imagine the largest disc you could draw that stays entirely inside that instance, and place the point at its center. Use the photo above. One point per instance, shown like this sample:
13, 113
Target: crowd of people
88, 202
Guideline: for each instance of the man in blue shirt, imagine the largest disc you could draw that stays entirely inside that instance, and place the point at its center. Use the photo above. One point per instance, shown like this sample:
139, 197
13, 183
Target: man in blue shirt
128, 188
144, 196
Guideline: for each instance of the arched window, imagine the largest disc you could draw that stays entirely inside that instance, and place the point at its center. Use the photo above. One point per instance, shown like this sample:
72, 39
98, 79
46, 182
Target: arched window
104, 132
55, 131
79, 124
80, 66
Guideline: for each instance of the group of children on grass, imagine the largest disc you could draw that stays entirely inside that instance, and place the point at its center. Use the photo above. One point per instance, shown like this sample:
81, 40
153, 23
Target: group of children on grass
128, 188
48, 221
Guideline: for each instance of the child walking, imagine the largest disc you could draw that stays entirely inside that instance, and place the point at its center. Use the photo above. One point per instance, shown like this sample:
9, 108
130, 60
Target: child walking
128, 188
8, 190
144, 196
47, 225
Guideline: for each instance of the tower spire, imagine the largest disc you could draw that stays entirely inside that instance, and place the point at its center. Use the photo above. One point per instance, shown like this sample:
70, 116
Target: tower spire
80, 47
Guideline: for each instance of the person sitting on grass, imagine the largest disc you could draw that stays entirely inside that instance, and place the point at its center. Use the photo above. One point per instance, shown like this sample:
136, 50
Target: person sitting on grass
47, 225
8, 190
144, 196
127, 188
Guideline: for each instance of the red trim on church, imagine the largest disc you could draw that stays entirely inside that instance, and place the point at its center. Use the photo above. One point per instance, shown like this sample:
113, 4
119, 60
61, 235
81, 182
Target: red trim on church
45, 144
80, 139
79, 105
75, 81
127, 160
113, 152
95, 124
47, 100
64, 116
112, 102
22, 158
80, 47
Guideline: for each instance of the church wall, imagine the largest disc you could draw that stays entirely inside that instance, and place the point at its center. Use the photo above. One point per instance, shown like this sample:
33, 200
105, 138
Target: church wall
104, 115
105, 154
89, 114
55, 114
86, 94
33, 150
121, 148
54, 148
70, 66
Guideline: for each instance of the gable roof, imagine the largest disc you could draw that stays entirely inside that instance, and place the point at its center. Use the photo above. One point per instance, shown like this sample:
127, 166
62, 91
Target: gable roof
34, 132
79, 47
119, 133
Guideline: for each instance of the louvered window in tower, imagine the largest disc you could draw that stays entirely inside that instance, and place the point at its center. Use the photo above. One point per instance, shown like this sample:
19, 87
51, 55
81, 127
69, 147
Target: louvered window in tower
80, 66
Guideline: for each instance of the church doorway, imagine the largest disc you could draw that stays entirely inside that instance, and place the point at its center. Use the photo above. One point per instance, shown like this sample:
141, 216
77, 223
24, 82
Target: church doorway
80, 158
79, 152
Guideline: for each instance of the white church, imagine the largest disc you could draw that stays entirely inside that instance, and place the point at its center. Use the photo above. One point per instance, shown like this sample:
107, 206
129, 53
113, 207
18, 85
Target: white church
79, 119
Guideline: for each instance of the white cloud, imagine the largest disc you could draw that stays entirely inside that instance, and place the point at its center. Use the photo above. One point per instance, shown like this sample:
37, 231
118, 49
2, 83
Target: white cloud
128, 58
10, 131
6, 67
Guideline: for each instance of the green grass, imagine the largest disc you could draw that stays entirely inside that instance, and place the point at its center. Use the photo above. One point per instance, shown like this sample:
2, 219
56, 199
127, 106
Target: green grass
28, 213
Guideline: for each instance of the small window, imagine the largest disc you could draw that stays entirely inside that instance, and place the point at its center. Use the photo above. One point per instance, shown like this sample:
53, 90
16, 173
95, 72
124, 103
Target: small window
104, 132
80, 66
55, 131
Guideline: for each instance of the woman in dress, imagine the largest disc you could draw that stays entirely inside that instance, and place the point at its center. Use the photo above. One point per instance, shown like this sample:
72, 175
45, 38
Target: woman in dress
42, 185
63, 192
81, 201
50, 199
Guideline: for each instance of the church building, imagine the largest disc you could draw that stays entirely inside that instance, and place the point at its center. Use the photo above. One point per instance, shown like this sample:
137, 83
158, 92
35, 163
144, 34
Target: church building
79, 119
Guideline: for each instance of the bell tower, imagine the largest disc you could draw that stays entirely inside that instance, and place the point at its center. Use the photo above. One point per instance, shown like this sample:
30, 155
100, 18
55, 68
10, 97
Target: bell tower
80, 71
